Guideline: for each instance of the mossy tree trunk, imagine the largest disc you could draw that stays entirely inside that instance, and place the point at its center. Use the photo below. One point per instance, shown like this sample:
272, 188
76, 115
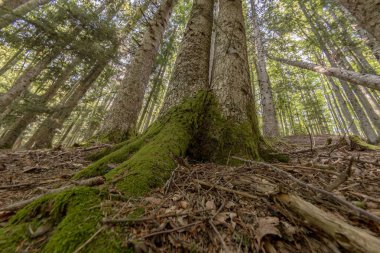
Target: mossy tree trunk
201, 121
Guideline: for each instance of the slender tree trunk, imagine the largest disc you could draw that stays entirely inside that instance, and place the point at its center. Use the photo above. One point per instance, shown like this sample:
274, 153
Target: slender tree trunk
23, 82
366, 80
270, 124
122, 118
44, 135
11, 62
20, 11
363, 120
367, 14
17, 128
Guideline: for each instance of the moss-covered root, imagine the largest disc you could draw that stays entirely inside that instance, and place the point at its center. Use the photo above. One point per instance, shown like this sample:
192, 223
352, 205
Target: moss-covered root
70, 218
147, 160
358, 144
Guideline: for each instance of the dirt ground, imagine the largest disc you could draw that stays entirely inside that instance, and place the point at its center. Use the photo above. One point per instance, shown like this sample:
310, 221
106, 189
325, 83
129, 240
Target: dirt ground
220, 208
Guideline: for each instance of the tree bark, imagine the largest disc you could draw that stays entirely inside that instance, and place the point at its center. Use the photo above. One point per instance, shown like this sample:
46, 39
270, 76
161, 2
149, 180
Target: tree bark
366, 80
23, 82
367, 13
20, 11
270, 124
191, 68
121, 120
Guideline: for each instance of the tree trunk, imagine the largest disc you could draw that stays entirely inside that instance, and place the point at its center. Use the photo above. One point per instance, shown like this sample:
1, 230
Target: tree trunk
23, 82
270, 124
196, 122
366, 80
121, 122
17, 128
20, 11
367, 14
44, 135
363, 120
11, 62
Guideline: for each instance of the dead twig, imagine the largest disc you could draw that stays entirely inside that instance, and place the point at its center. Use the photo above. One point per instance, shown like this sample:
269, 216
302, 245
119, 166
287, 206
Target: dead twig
341, 178
172, 230
358, 210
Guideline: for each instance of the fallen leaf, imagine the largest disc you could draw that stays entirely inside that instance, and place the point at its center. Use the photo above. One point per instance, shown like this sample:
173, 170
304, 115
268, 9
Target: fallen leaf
210, 205
267, 226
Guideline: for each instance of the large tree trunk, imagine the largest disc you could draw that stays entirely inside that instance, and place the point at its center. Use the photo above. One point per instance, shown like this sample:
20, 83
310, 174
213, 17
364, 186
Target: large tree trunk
17, 128
123, 115
20, 11
366, 80
44, 135
270, 124
23, 82
196, 122
367, 13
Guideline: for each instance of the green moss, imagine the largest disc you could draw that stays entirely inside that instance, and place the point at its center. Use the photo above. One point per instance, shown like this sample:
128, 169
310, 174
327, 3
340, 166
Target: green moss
74, 215
151, 165
357, 143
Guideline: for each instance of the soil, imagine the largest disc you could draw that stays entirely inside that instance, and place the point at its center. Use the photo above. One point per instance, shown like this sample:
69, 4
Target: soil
218, 208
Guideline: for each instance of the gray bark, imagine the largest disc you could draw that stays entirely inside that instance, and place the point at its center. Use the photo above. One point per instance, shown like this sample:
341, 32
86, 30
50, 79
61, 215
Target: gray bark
367, 13
231, 80
366, 80
191, 69
124, 112
270, 124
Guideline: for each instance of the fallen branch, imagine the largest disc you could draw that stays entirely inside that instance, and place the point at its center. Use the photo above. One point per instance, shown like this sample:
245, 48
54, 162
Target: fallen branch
350, 237
360, 211
341, 178
172, 230
86, 182
16, 186
142, 219
357, 160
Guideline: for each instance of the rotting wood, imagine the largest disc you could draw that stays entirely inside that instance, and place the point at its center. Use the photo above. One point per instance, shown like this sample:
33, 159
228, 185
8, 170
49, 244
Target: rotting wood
357, 210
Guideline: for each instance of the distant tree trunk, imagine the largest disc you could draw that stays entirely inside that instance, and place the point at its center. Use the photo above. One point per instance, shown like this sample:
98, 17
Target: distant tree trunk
367, 13
11, 62
23, 82
121, 120
20, 11
367, 80
270, 124
44, 135
17, 128
363, 120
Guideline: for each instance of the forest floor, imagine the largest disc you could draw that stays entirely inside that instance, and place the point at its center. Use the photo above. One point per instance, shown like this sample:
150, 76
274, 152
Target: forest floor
323, 200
